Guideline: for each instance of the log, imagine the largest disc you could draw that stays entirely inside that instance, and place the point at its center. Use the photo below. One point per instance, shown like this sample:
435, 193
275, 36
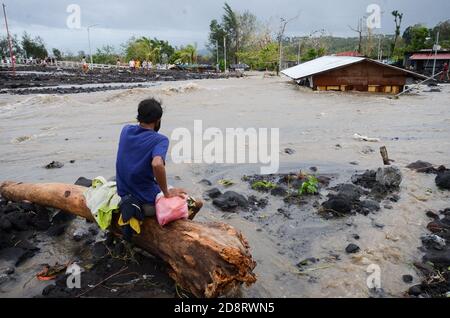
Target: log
207, 259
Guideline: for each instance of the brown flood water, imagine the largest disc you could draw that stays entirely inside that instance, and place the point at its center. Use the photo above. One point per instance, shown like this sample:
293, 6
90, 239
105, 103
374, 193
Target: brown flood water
34, 129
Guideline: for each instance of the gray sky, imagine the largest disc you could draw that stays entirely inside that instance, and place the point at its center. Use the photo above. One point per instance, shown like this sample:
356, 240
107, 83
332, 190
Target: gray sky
187, 21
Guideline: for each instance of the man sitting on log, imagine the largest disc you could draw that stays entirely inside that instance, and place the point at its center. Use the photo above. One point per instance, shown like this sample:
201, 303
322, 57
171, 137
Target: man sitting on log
140, 166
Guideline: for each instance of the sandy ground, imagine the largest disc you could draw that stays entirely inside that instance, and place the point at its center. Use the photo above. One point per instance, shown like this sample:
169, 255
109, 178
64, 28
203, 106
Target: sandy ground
37, 129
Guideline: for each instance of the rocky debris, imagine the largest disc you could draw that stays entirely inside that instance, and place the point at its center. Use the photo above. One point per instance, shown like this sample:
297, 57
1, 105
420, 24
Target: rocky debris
352, 249
205, 182
54, 165
256, 203
389, 177
408, 279
81, 234
49, 81
422, 166
231, 201
443, 179
289, 151
144, 275
366, 180
213, 193
435, 266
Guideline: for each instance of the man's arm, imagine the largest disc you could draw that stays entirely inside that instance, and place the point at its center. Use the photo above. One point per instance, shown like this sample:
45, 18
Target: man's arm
159, 171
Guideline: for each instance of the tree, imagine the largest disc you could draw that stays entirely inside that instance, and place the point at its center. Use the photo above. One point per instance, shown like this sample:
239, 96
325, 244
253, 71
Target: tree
415, 37
398, 17
215, 40
34, 47
57, 54
359, 30
4, 46
444, 33
105, 55
144, 48
185, 55
232, 28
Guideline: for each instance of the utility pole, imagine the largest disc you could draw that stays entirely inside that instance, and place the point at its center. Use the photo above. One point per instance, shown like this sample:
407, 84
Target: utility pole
217, 55
436, 48
225, 52
11, 54
90, 47
298, 53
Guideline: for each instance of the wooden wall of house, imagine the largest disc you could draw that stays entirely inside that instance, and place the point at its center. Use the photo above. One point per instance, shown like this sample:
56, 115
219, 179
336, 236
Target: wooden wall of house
365, 76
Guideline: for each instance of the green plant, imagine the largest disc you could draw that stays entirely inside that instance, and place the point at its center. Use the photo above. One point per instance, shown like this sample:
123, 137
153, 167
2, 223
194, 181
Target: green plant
263, 185
311, 186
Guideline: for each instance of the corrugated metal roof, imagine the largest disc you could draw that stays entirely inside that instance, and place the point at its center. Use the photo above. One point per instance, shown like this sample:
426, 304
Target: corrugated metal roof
327, 63
430, 56
349, 53
320, 65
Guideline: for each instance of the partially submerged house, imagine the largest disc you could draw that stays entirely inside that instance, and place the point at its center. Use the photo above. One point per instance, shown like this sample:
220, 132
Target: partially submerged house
347, 73
423, 61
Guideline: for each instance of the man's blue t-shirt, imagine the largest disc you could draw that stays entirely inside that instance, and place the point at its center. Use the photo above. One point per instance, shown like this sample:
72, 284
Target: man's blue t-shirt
134, 174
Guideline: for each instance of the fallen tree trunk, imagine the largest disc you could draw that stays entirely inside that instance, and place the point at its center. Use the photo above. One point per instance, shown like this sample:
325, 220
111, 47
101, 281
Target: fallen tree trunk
208, 260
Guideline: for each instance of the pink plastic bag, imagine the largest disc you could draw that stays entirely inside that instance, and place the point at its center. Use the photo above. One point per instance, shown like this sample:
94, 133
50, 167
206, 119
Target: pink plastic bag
170, 210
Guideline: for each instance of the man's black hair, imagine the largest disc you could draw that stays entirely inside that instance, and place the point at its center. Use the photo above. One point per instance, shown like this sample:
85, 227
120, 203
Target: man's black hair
149, 111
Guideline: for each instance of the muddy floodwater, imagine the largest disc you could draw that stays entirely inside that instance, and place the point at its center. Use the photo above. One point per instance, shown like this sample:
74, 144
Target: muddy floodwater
82, 131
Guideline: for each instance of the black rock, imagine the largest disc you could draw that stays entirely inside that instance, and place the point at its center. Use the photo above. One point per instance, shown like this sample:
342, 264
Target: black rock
206, 182
432, 215
350, 191
370, 205
62, 217
18, 220
422, 166
26, 206
341, 205
352, 249
366, 180
54, 165
213, 193
408, 279
279, 192
83, 182
56, 230
255, 203
289, 151
415, 290
443, 180
5, 224
356, 237
230, 201
11, 207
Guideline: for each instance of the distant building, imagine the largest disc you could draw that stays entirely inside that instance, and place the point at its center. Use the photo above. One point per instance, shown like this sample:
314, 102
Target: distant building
345, 73
422, 61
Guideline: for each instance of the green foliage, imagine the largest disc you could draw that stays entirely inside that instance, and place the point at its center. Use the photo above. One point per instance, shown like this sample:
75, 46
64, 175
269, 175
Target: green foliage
226, 183
185, 55
415, 37
311, 186
57, 54
34, 47
153, 50
263, 185
4, 46
105, 55
261, 59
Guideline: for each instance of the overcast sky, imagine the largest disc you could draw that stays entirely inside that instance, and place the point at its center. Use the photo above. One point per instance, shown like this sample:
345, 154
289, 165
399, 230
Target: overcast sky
187, 21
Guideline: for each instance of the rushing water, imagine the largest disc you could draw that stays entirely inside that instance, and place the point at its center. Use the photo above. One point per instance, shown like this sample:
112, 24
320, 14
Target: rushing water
38, 129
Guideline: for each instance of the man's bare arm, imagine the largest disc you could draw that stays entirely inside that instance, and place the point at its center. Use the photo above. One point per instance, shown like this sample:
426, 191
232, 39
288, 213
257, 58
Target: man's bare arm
159, 171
